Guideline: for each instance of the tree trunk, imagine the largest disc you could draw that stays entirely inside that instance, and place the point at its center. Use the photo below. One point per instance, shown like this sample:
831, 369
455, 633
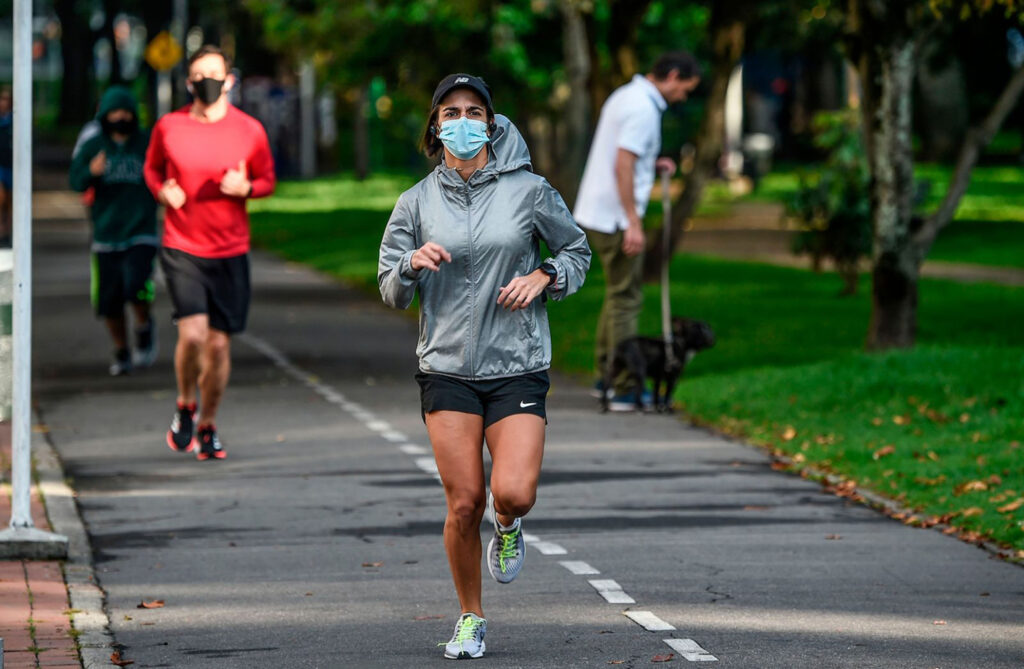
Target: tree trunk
361, 134
884, 51
111, 8
76, 40
576, 54
728, 34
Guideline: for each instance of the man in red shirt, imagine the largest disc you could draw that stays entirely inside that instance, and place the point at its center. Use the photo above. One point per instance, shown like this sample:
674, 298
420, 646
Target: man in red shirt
204, 161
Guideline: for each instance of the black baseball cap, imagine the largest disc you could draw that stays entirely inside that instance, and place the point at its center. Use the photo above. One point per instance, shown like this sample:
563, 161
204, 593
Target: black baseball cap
461, 80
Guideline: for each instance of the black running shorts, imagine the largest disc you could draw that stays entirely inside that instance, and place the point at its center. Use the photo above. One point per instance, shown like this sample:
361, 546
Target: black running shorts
217, 287
493, 399
120, 277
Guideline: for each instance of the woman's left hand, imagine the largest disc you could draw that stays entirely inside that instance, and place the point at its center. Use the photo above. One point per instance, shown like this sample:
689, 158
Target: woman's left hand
522, 290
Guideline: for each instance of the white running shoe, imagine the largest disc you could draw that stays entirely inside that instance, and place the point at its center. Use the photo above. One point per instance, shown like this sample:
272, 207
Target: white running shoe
506, 551
468, 639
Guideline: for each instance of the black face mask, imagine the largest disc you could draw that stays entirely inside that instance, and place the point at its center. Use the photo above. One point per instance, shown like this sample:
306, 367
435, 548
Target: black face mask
120, 127
207, 90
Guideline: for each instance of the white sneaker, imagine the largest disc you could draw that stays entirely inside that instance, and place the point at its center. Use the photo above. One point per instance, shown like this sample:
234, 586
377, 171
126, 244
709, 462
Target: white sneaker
468, 639
506, 550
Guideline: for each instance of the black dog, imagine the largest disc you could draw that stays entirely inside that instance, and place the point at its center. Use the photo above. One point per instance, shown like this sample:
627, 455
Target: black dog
645, 357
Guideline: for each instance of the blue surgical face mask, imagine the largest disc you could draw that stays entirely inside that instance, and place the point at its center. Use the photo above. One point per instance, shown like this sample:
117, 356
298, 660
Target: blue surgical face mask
463, 137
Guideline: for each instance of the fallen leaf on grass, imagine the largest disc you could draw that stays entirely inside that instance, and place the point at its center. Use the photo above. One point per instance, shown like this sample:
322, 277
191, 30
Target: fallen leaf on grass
663, 658
373, 564
884, 451
901, 420
155, 604
833, 537
930, 482
789, 434
973, 511
115, 658
995, 480
1012, 506
970, 486
779, 466
877, 420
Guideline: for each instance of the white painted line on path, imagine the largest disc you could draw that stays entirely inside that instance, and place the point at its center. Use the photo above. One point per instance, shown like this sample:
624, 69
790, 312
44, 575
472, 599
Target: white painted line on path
578, 567
394, 436
649, 621
379, 425
611, 591
428, 465
412, 449
548, 548
690, 650
530, 538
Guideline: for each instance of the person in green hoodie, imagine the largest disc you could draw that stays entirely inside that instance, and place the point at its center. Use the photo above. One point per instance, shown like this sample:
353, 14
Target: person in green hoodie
124, 236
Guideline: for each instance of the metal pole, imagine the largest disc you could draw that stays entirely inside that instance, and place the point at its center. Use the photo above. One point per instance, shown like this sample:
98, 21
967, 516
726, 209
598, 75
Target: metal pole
179, 26
21, 395
307, 116
22, 540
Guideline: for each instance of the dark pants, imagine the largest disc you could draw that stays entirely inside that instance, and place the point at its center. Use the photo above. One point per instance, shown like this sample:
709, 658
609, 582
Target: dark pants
623, 299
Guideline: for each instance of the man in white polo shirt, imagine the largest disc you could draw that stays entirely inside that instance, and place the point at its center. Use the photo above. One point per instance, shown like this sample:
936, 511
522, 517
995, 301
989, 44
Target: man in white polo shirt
613, 196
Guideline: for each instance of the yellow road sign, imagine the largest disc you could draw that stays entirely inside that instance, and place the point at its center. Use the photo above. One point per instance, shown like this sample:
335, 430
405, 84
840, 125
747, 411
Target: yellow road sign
163, 52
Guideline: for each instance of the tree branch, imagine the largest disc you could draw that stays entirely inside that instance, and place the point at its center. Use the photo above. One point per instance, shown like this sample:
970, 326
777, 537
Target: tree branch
976, 140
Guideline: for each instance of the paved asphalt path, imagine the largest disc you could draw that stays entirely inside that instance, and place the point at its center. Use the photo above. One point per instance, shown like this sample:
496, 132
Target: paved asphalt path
317, 543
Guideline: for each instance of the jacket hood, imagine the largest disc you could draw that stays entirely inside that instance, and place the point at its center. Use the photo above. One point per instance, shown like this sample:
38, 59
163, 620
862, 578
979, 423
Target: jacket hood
117, 97
509, 147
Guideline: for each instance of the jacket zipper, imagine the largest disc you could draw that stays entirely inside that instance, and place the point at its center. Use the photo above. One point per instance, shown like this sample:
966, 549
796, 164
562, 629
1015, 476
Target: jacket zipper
472, 284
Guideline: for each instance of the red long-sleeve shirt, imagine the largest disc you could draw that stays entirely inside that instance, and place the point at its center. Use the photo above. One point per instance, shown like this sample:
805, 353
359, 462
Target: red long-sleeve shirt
210, 224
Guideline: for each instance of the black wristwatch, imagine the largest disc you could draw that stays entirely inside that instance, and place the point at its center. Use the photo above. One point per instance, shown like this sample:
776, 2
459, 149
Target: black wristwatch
551, 272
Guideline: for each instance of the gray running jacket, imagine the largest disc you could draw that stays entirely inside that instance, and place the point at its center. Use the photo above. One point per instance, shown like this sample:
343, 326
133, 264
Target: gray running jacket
490, 225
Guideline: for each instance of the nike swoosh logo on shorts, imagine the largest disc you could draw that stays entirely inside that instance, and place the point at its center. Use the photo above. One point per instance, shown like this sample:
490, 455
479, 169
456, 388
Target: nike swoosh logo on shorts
523, 405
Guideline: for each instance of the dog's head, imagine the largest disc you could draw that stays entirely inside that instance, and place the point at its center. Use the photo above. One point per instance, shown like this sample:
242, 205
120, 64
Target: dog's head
692, 335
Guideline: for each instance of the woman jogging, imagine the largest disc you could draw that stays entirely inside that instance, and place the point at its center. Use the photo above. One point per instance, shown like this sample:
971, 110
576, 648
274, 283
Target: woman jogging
466, 239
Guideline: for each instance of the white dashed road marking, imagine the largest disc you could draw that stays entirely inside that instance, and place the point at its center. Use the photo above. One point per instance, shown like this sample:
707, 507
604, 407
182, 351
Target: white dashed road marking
690, 650
412, 449
548, 548
649, 621
611, 591
579, 568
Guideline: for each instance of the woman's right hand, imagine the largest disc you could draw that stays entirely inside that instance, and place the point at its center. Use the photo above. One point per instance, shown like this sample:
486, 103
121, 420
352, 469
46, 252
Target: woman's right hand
429, 256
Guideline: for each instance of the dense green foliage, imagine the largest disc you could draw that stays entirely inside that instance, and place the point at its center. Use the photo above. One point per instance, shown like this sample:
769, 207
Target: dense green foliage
831, 205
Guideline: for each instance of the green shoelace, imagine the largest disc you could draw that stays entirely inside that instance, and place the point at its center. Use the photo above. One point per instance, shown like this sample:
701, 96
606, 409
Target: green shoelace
465, 631
508, 547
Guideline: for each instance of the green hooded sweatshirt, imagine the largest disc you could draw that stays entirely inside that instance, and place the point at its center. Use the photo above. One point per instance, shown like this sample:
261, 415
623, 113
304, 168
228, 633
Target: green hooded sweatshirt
124, 211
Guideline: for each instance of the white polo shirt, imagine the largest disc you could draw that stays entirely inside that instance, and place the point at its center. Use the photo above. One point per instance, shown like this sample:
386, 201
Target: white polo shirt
630, 119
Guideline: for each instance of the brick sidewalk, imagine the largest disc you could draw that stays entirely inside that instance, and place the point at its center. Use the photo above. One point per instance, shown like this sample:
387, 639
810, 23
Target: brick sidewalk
34, 623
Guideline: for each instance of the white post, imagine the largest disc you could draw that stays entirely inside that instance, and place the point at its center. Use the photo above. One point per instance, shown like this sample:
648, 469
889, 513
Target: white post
307, 118
164, 93
22, 539
21, 392
734, 123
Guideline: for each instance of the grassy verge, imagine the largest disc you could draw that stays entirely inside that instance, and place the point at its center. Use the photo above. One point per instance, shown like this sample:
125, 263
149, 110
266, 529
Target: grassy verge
938, 428
989, 224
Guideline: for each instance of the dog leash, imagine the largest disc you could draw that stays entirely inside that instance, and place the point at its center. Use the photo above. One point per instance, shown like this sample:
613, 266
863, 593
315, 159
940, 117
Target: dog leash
666, 227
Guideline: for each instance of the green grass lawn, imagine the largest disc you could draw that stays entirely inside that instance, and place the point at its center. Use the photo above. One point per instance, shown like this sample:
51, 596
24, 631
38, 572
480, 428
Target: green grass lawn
788, 371
988, 228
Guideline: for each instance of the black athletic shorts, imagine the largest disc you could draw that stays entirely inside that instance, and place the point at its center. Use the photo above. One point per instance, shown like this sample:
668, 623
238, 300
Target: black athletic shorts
217, 287
120, 277
493, 399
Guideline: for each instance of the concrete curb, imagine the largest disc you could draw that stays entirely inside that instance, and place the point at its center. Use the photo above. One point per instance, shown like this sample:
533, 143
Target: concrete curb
89, 616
